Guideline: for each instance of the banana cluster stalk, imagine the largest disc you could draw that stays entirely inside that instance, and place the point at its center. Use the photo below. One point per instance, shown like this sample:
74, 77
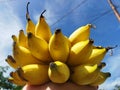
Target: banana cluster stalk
39, 56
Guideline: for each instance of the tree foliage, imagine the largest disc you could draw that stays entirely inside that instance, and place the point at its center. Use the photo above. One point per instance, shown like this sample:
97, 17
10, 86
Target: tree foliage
117, 87
4, 84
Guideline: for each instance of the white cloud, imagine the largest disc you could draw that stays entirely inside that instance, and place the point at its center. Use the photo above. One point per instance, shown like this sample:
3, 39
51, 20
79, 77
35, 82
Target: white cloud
50, 14
9, 25
113, 65
110, 85
58, 12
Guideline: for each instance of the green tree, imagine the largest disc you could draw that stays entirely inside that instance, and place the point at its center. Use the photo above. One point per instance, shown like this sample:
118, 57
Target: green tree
117, 87
4, 84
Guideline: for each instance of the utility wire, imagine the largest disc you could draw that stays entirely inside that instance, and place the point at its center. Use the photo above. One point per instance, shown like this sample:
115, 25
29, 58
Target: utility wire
72, 10
81, 3
102, 14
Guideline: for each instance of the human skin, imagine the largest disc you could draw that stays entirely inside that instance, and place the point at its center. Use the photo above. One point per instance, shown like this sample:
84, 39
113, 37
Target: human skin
53, 86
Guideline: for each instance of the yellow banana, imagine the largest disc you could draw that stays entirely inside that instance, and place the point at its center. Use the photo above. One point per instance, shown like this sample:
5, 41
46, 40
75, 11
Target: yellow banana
30, 27
58, 72
15, 39
42, 29
10, 60
14, 81
59, 46
101, 78
85, 74
34, 74
39, 48
16, 77
23, 56
81, 34
40, 57
97, 55
22, 39
79, 52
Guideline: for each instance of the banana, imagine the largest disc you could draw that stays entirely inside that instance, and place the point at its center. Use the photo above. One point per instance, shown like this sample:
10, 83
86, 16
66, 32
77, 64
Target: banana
81, 34
23, 56
85, 74
59, 46
58, 72
14, 38
42, 29
10, 60
14, 81
30, 26
97, 55
34, 74
100, 79
39, 48
22, 39
16, 77
79, 52
40, 57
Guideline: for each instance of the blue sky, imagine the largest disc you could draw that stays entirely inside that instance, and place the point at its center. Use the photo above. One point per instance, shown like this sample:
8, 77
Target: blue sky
98, 13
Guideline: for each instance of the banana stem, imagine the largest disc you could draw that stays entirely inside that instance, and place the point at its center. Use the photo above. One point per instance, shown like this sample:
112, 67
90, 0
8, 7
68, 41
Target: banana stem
57, 31
111, 48
109, 74
11, 74
27, 12
42, 13
91, 40
11, 58
52, 65
18, 71
29, 35
108, 48
93, 26
102, 64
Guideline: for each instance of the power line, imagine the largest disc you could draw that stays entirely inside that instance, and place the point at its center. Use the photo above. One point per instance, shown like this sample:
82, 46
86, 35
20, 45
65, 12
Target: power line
72, 10
81, 3
103, 14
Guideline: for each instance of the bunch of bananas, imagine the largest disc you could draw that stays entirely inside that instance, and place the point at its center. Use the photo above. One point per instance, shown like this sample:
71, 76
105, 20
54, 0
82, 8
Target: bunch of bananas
40, 56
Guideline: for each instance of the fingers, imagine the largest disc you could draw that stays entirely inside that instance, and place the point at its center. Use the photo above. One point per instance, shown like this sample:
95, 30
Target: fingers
53, 86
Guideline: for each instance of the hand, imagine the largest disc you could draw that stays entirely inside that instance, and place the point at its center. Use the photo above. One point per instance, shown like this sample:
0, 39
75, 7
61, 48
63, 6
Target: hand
53, 86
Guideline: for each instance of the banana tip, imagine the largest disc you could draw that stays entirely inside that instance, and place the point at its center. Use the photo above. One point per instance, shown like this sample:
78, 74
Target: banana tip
11, 74
52, 65
21, 30
29, 35
103, 64
28, 3
91, 40
10, 80
13, 36
109, 48
6, 60
57, 31
41, 16
109, 74
93, 26
11, 58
